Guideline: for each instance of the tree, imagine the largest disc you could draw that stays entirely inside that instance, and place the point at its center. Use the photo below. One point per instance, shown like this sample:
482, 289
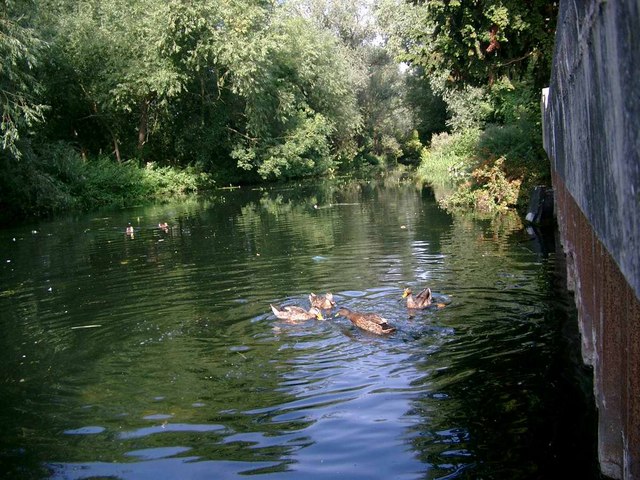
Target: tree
474, 43
20, 49
300, 104
111, 50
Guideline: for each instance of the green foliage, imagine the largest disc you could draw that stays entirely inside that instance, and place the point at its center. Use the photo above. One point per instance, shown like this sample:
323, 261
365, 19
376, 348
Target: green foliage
469, 108
305, 152
490, 192
487, 61
412, 149
489, 170
59, 179
473, 43
449, 158
388, 119
301, 105
515, 101
428, 109
260, 90
20, 107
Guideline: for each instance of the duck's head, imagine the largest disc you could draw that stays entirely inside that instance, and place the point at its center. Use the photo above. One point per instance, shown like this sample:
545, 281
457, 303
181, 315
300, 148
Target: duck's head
343, 312
316, 312
406, 292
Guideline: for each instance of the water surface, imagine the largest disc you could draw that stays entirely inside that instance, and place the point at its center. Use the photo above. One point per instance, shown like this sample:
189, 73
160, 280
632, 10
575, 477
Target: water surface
155, 355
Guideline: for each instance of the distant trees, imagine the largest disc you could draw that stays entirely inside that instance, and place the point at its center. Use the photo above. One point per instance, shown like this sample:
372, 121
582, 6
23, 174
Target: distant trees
254, 90
244, 89
486, 60
240, 86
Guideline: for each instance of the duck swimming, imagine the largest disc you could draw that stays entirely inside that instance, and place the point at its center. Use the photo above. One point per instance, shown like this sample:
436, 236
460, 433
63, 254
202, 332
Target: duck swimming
422, 300
296, 313
323, 302
371, 322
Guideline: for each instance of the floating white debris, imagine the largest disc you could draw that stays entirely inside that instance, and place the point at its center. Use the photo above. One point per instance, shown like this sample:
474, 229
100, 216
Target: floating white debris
85, 326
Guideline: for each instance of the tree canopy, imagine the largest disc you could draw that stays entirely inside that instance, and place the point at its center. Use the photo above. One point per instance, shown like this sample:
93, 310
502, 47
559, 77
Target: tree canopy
255, 90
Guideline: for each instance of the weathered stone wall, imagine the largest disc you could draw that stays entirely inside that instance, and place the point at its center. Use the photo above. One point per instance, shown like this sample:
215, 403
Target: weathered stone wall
591, 115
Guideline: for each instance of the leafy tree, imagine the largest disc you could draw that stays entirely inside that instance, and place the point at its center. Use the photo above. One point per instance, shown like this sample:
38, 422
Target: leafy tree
428, 109
475, 43
300, 104
20, 49
388, 120
111, 51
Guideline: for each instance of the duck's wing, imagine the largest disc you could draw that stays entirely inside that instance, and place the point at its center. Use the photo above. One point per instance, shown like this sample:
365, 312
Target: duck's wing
375, 318
424, 296
381, 324
288, 312
295, 309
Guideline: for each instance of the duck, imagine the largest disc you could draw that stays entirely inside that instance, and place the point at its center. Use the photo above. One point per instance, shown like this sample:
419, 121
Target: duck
322, 302
371, 322
293, 312
422, 300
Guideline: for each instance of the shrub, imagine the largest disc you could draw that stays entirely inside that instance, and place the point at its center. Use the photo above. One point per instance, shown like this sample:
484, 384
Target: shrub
449, 157
412, 149
57, 178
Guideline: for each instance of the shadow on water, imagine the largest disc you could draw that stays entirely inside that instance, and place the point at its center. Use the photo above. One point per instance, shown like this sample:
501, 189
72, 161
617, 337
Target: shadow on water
155, 355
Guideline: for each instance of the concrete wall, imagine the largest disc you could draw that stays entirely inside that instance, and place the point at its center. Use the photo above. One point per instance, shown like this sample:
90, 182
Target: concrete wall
591, 115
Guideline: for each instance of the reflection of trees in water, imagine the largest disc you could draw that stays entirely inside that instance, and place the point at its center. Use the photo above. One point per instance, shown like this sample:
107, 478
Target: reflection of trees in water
186, 330
498, 399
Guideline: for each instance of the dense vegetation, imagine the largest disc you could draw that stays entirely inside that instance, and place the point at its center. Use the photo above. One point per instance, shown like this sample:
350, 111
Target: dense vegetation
114, 101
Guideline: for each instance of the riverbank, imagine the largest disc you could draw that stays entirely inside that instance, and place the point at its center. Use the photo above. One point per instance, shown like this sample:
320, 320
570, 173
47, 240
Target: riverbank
42, 185
58, 180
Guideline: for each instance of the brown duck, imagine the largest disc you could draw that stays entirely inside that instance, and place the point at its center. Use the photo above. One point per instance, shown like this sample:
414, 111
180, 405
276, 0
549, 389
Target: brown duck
422, 300
322, 302
296, 313
371, 322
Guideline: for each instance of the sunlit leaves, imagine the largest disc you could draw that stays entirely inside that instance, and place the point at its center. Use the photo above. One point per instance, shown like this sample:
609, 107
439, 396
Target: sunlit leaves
474, 42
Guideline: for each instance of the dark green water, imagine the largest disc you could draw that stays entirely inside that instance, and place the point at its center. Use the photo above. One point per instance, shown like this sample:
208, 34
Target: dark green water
157, 356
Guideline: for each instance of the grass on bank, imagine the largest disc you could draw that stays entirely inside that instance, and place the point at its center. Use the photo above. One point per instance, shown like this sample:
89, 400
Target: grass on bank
43, 183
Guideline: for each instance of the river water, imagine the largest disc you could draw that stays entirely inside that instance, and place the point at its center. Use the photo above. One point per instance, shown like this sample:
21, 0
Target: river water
155, 355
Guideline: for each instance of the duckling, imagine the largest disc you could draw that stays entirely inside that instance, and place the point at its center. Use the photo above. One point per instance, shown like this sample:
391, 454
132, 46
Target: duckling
296, 313
372, 322
323, 302
422, 300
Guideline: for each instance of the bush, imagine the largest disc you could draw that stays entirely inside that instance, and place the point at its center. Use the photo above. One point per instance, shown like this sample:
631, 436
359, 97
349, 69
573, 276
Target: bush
412, 149
491, 191
449, 158
468, 108
489, 170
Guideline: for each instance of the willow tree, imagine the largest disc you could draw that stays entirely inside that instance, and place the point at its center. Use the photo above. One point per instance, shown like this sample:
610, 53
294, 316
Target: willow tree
300, 103
20, 106
109, 54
